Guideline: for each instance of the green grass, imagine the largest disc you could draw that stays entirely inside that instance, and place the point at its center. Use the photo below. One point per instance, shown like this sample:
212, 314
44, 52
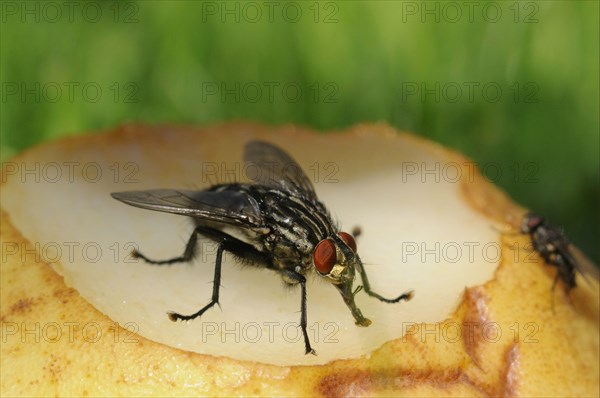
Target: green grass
353, 65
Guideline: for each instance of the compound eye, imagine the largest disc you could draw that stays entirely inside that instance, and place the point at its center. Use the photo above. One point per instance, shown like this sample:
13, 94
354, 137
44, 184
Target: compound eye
534, 221
349, 240
324, 256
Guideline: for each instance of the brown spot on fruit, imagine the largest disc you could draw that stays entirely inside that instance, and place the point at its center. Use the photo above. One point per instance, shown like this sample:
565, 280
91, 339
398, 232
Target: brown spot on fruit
511, 372
64, 294
358, 383
476, 317
22, 306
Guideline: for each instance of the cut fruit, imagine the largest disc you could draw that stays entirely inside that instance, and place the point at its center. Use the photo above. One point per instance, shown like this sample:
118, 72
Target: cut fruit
480, 321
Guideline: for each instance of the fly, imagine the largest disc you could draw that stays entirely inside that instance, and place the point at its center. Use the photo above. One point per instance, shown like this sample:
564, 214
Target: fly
554, 247
276, 222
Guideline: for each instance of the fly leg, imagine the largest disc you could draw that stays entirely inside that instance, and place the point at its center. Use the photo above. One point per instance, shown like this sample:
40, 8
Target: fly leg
226, 243
174, 316
188, 254
367, 287
302, 281
552, 293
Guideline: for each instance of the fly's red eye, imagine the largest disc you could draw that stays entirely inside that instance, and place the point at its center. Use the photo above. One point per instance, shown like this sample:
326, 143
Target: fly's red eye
349, 240
324, 256
534, 221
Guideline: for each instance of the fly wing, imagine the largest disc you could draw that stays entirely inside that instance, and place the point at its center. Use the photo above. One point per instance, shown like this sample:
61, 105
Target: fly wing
276, 169
228, 207
581, 263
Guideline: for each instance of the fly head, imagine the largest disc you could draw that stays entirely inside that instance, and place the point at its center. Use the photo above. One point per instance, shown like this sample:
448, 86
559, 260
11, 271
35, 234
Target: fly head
531, 222
336, 260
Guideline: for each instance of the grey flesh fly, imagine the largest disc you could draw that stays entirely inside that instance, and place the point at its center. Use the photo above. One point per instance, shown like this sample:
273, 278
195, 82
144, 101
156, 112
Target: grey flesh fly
276, 222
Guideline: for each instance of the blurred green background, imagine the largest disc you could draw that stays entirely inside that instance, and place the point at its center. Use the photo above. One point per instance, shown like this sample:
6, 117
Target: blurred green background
513, 85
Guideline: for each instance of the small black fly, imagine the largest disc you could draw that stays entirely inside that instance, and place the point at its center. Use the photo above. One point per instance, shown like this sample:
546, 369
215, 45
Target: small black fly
554, 247
277, 223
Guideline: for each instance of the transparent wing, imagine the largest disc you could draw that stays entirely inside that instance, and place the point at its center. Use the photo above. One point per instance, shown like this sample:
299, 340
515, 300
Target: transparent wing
582, 264
228, 207
574, 256
268, 165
